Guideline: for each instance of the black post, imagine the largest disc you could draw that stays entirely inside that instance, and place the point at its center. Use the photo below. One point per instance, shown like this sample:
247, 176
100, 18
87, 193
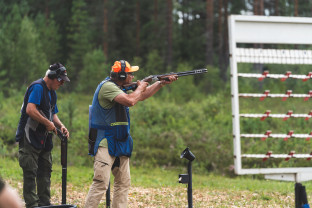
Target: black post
64, 168
187, 178
297, 195
108, 196
189, 187
304, 197
301, 199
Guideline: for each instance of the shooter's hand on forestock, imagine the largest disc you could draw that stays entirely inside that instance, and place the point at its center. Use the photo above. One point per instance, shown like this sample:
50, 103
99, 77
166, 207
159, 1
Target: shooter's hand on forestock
169, 79
65, 131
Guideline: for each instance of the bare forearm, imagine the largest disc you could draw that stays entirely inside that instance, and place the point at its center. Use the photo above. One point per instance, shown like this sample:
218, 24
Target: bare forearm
151, 90
57, 121
33, 112
129, 99
60, 125
132, 98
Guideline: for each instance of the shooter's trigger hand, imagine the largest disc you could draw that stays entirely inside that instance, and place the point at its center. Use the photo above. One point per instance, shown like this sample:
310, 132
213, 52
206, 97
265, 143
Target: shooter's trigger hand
51, 127
142, 85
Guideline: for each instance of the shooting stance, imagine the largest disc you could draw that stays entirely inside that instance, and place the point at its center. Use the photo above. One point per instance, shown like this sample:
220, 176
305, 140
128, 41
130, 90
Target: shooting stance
109, 137
38, 120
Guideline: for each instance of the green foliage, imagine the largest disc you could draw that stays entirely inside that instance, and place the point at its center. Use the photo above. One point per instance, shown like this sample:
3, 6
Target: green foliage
210, 82
65, 31
3, 80
21, 53
187, 87
9, 31
162, 129
49, 37
78, 37
155, 64
29, 53
74, 113
9, 117
94, 71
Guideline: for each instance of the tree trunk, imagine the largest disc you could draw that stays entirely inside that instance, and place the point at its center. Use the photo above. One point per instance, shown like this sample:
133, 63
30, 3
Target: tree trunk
261, 7
105, 29
225, 47
155, 11
155, 24
169, 33
137, 8
209, 32
256, 7
296, 8
276, 7
220, 36
185, 16
223, 38
47, 11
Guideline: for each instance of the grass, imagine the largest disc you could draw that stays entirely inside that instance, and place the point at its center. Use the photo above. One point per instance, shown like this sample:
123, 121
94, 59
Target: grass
158, 187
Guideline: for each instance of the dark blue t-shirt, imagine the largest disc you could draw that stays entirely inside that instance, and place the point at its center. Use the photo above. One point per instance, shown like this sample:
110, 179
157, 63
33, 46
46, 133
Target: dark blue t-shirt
35, 96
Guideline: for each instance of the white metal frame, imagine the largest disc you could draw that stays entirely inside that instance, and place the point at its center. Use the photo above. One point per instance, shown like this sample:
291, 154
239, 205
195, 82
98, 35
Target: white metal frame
266, 30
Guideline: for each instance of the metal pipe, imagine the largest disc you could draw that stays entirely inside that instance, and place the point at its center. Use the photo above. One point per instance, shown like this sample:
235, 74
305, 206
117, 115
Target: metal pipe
108, 196
64, 168
189, 187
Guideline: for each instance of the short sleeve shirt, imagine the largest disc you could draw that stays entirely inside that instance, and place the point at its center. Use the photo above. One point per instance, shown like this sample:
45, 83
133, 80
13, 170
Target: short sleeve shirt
35, 96
107, 94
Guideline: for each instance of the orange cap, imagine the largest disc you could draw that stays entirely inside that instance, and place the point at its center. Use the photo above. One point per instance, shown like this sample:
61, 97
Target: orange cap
117, 67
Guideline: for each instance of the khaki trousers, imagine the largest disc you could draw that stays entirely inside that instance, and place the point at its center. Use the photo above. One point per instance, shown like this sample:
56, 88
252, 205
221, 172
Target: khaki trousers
103, 162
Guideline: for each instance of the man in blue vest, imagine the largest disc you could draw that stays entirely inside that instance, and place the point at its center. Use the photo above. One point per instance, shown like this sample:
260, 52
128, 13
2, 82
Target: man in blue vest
109, 137
38, 119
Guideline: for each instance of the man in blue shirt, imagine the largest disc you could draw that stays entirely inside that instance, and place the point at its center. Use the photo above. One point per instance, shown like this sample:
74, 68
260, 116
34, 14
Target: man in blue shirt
38, 119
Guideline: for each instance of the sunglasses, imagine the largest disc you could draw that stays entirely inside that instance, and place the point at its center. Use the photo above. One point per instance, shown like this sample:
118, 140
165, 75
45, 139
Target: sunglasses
130, 73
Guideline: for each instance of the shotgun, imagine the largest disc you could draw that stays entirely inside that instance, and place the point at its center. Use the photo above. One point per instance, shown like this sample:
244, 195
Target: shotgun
153, 78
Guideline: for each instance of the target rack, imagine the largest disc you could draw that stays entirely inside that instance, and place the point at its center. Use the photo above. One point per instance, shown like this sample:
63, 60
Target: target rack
270, 30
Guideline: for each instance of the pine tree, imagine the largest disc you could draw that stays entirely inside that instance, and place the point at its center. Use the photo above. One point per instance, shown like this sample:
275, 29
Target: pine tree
209, 32
78, 38
21, 53
31, 61
95, 70
49, 37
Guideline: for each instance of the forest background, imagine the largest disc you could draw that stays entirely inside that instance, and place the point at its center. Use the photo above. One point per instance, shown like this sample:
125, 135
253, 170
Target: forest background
87, 36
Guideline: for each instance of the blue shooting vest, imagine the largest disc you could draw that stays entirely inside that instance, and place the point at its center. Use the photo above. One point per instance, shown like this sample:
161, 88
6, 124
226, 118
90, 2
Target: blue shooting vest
112, 124
35, 132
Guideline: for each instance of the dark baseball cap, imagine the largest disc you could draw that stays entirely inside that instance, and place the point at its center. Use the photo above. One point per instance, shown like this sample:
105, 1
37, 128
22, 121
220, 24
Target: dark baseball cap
63, 74
60, 71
